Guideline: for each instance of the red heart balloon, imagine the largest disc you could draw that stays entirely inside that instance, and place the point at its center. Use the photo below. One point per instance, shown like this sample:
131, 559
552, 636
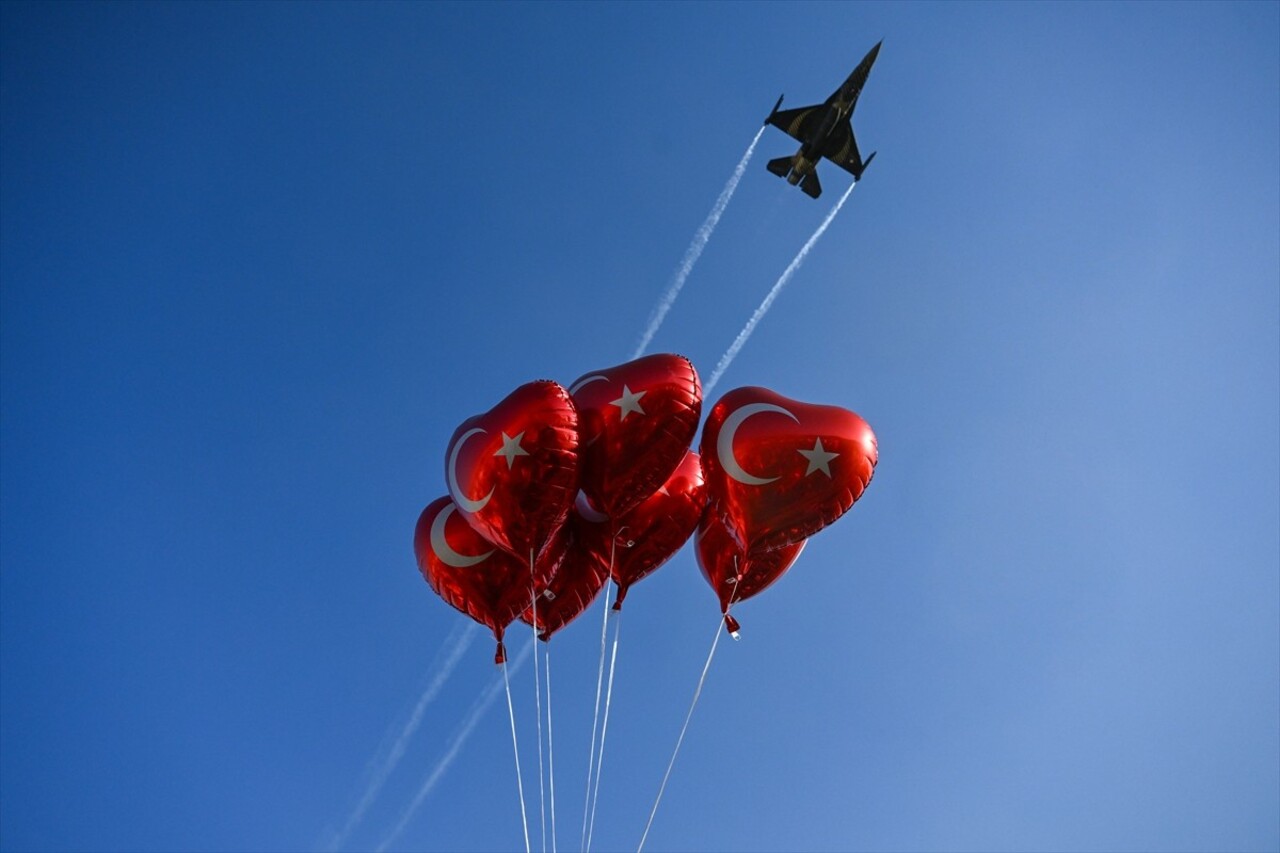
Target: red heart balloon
513, 471
653, 532
734, 576
465, 569
581, 575
779, 470
636, 421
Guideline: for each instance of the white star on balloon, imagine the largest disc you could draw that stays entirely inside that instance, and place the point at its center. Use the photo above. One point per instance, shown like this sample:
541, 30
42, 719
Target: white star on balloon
819, 458
629, 402
511, 449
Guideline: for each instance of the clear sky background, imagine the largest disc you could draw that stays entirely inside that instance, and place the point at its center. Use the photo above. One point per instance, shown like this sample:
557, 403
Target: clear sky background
257, 262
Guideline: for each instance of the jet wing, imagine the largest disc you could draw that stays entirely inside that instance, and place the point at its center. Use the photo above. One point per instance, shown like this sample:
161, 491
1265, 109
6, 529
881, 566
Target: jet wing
800, 123
842, 149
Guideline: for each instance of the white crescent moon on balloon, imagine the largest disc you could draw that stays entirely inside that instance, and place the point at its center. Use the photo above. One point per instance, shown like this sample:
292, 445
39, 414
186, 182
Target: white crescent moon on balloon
577, 386
587, 380
455, 491
724, 441
587, 511
440, 545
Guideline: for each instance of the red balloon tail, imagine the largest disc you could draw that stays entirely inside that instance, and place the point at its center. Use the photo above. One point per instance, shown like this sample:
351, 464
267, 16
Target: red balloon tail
622, 593
500, 656
732, 626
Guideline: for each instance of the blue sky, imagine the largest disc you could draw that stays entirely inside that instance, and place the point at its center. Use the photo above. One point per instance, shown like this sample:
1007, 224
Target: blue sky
257, 262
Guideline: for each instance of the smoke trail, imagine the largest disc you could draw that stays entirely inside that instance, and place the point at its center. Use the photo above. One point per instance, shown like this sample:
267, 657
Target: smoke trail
478, 709
447, 658
694, 251
732, 351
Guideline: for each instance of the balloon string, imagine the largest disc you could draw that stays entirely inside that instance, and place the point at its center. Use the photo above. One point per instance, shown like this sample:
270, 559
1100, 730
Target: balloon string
456, 742
595, 719
696, 693
515, 745
604, 725
537, 693
551, 752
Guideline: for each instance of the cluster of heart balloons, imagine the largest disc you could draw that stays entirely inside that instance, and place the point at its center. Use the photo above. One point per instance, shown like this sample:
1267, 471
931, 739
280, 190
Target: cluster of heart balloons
554, 491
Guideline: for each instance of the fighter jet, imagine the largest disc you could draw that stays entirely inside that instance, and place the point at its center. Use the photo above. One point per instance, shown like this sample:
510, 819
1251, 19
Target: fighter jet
824, 130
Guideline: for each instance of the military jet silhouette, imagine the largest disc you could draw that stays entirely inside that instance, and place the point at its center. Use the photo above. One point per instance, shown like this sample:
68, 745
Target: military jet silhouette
823, 130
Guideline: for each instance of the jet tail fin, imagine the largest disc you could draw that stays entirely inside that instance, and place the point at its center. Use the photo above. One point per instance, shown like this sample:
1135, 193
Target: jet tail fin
810, 185
774, 111
780, 167
865, 164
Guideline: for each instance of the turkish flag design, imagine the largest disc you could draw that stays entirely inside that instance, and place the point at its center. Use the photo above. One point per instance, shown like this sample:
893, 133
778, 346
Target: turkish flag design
636, 421
470, 574
513, 471
779, 470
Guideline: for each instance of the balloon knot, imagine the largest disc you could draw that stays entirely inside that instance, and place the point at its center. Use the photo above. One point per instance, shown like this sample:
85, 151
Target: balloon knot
731, 624
500, 656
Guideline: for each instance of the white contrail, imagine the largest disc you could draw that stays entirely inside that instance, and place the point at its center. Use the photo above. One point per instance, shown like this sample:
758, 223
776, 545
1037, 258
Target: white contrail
478, 710
694, 251
732, 351
447, 658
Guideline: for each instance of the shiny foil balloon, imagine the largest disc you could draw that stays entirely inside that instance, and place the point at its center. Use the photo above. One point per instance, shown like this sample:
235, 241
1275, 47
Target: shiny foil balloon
582, 573
779, 470
470, 574
636, 421
513, 471
653, 532
734, 576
